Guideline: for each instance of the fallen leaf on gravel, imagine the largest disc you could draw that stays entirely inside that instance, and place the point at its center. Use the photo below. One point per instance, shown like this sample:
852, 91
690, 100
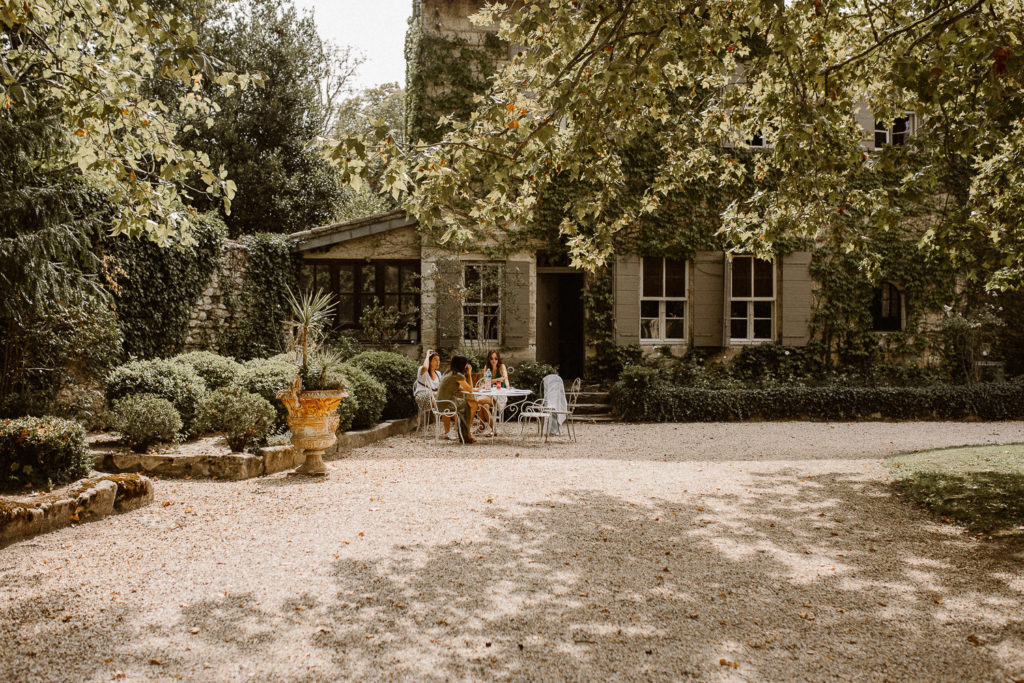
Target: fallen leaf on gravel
193, 631
361, 533
166, 503
693, 616
725, 662
973, 639
882, 604
155, 661
108, 659
442, 622
807, 616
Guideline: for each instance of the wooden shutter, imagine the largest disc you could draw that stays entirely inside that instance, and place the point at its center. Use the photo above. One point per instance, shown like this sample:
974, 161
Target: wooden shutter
448, 287
627, 299
796, 298
515, 299
708, 299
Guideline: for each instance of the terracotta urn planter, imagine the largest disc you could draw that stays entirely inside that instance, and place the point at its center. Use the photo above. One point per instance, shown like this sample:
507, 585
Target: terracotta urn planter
313, 420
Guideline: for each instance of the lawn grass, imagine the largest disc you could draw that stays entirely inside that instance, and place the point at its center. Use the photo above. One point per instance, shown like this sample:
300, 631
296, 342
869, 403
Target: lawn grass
980, 487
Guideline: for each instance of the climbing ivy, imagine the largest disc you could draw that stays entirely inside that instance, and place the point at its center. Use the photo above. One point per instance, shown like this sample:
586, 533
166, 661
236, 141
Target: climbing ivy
443, 75
261, 303
156, 287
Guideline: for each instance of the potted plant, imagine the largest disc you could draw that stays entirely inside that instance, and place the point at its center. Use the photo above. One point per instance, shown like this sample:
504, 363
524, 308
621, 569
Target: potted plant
312, 398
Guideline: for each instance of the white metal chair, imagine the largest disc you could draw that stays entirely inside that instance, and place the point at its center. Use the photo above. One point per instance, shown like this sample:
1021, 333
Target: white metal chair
442, 409
534, 411
572, 397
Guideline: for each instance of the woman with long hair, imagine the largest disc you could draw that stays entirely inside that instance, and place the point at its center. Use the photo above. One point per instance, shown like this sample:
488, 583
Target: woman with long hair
428, 380
499, 377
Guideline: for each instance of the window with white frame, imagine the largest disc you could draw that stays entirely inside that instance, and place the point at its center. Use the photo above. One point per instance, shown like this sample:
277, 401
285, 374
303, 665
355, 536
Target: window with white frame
481, 304
752, 300
662, 299
895, 134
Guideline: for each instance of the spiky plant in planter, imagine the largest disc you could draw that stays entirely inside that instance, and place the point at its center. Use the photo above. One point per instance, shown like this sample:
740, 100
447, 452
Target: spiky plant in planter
313, 397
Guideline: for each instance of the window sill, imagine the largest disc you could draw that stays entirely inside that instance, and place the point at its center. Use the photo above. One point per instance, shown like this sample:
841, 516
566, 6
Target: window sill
662, 342
749, 342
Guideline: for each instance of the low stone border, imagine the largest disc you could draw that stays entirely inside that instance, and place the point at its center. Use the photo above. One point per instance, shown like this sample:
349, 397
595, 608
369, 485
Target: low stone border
232, 466
235, 466
85, 501
364, 437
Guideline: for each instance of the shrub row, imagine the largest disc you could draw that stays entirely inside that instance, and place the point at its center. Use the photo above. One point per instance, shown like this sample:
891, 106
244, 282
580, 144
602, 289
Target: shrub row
42, 451
641, 396
397, 373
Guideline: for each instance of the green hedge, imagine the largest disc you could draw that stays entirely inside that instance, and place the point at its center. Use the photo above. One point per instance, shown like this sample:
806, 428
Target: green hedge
366, 395
397, 373
640, 396
216, 370
266, 377
176, 382
42, 451
144, 420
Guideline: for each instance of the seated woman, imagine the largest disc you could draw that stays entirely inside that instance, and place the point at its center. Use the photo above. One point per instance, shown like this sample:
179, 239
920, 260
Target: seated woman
481, 404
499, 377
428, 379
453, 383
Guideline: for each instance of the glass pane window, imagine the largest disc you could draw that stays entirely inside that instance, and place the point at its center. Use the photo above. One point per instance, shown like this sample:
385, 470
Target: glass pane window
481, 309
896, 133
663, 299
358, 284
887, 308
752, 300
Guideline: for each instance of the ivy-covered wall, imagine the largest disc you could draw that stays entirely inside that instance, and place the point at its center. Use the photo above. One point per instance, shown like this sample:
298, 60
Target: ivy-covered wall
443, 72
155, 288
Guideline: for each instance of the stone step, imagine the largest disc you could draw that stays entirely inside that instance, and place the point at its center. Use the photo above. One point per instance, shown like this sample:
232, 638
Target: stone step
593, 397
595, 419
593, 408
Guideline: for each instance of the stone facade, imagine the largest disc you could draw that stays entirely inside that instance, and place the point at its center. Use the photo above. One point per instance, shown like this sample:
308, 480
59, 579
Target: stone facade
211, 316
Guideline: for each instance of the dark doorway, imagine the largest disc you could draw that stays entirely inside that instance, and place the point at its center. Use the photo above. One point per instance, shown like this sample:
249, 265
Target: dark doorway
560, 321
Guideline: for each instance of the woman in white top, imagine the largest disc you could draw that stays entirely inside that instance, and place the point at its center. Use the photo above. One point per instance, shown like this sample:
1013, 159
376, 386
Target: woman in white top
428, 379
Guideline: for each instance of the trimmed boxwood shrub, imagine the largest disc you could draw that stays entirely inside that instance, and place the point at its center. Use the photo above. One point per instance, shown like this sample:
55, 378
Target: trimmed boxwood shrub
145, 419
369, 397
397, 373
531, 376
266, 377
641, 395
242, 416
176, 382
216, 370
42, 451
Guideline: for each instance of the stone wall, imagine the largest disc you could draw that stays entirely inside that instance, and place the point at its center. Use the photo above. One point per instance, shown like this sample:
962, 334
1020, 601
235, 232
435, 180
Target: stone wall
211, 316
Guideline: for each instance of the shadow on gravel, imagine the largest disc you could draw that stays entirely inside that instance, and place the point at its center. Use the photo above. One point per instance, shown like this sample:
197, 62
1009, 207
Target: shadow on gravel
794, 579
784, 583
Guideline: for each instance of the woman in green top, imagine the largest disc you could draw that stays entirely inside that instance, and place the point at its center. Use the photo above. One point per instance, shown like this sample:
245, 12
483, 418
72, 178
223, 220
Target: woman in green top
452, 385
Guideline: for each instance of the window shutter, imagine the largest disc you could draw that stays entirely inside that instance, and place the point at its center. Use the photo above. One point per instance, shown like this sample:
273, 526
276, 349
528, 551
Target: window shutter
708, 300
515, 299
627, 299
796, 298
448, 287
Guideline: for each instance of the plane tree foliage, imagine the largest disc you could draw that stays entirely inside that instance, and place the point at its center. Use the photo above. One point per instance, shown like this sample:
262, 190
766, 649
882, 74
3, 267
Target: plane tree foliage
695, 81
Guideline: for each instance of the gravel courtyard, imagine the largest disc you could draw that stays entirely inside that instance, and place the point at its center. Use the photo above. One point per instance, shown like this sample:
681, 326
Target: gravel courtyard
713, 552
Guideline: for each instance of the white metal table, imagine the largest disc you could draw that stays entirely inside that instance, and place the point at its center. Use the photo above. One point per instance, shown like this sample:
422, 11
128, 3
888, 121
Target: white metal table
493, 393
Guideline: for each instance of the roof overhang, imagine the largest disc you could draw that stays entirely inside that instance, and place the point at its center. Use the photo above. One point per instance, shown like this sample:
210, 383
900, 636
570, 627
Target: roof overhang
336, 233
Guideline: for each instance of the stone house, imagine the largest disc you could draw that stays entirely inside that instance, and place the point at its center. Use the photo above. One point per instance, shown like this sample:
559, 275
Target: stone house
531, 306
